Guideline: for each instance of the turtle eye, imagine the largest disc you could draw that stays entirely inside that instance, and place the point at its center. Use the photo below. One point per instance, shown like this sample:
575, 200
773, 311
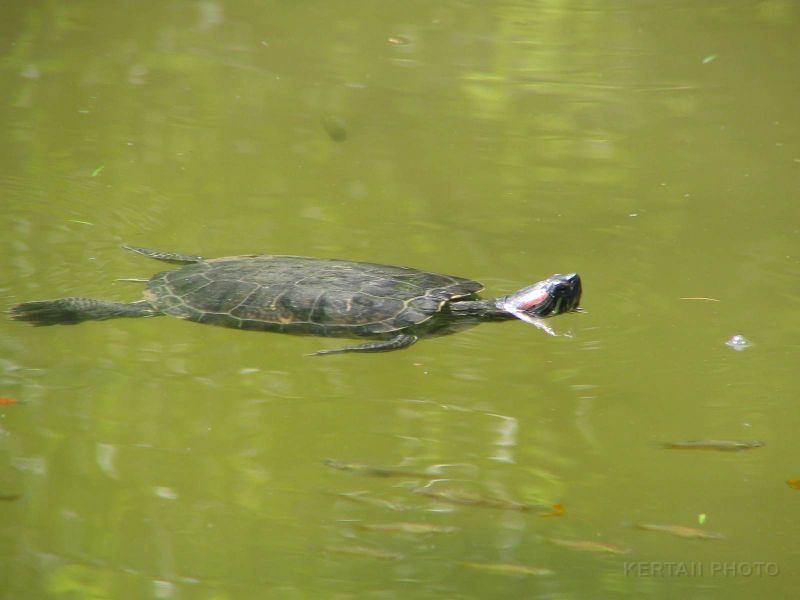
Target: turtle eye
561, 289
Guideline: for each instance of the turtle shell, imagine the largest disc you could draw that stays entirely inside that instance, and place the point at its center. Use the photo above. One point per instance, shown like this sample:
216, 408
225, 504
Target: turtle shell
296, 294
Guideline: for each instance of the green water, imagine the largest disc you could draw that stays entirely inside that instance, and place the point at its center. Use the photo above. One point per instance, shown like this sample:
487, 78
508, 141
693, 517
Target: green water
654, 147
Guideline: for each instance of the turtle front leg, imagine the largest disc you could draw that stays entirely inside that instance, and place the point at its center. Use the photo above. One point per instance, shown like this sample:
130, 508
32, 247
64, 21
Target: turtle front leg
398, 342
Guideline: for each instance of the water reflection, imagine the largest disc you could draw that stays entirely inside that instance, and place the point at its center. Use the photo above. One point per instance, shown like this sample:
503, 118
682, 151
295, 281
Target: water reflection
652, 146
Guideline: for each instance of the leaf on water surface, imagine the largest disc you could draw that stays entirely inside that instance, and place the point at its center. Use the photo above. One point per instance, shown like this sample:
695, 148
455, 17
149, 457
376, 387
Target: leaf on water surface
709, 58
98, 170
558, 511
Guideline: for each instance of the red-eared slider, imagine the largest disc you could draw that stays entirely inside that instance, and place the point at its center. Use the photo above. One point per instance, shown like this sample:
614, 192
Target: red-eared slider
336, 298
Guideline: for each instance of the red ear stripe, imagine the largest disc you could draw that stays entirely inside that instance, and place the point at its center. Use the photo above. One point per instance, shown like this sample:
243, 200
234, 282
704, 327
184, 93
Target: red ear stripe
538, 298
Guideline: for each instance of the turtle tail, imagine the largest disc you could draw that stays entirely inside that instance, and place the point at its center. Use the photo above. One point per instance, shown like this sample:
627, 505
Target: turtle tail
69, 311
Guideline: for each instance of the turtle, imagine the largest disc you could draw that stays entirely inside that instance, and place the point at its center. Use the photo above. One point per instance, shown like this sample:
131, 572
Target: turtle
392, 306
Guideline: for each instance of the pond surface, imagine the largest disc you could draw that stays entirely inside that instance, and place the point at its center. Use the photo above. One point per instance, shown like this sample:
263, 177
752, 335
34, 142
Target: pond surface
653, 147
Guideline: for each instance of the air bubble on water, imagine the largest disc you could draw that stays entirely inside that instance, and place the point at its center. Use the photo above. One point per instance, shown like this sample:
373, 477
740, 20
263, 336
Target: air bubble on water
738, 343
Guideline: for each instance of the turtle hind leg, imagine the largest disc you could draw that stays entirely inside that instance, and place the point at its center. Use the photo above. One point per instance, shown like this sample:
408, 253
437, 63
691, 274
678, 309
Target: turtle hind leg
398, 342
68, 311
170, 257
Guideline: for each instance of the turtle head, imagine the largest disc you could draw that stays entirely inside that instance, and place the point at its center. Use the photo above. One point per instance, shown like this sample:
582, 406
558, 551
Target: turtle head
553, 296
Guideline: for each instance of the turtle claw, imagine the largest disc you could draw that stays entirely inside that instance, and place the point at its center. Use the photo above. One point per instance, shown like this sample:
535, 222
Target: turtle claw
538, 323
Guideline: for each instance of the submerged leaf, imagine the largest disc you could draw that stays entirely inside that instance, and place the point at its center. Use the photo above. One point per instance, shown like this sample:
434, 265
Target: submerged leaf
589, 546
507, 569
469, 498
412, 528
681, 531
377, 470
366, 552
720, 445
